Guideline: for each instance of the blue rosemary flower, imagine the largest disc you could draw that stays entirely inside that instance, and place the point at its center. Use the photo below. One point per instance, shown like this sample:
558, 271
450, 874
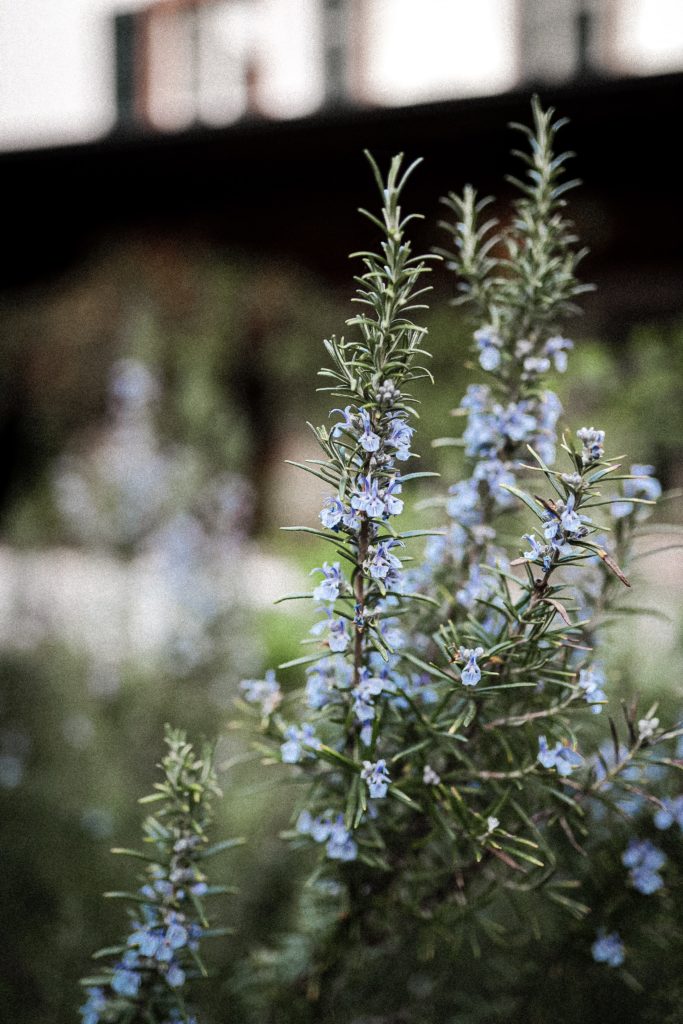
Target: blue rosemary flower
338, 638
340, 844
324, 680
556, 348
646, 486
382, 564
369, 440
592, 441
265, 692
94, 1006
369, 687
591, 681
562, 757
464, 505
377, 777
125, 981
489, 345
292, 750
671, 811
644, 860
328, 589
332, 513
535, 365
538, 552
322, 829
564, 524
608, 949
471, 673
400, 437
366, 497
393, 505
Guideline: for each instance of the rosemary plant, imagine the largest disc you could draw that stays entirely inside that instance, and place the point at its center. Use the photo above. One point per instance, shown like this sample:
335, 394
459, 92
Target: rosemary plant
361, 596
456, 782
146, 977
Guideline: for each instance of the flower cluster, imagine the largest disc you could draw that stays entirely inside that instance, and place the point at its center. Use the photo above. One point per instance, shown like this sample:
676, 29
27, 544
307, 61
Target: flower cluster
339, 845
645, 861
161, 952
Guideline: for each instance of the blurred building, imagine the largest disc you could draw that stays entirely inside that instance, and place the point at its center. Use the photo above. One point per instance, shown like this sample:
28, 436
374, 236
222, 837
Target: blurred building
239, 125
78, 69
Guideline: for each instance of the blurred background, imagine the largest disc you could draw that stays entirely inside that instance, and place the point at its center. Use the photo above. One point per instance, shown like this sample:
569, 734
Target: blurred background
180, 181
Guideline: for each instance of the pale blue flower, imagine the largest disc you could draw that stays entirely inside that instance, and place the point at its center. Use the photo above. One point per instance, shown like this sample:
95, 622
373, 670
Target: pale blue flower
644, 860
480, 585
591, 681
497, 476
608, 949
476, 398
369, 440
175, 976
265, 692
338, 638
471, 673
393, 505
332, 513
536, 364
377, 777
324, 679
340, 845
489, 358
382, 564
464, 506
400, 437
592, 441
563, 758
366, 497
536, 551
557, 348
349, 424
126, 982
351, 520
671, 811
95, 1005
489, 345
292, 750
328, 589
647, 486
516, 420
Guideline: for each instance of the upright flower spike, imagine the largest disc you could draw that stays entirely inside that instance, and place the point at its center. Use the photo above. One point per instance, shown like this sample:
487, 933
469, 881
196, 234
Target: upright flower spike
147, 975
520, 283
356, 668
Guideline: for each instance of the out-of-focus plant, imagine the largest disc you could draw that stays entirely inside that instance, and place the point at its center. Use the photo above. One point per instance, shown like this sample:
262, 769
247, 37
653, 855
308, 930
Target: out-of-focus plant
146, 977
175, 527
457, 788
